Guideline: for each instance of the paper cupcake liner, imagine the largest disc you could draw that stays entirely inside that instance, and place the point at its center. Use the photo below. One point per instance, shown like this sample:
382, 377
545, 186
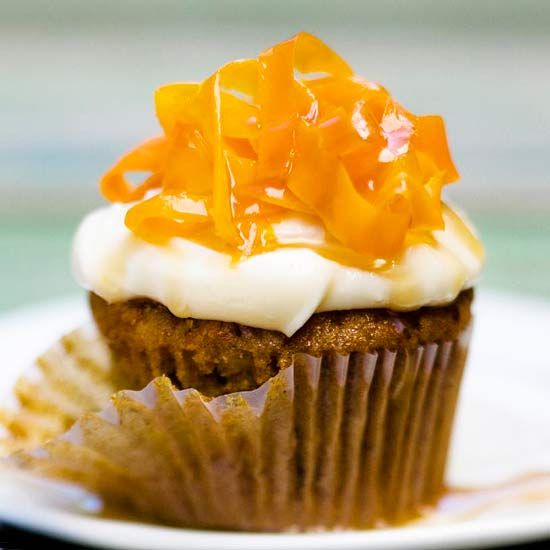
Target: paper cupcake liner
353, 441
71, 378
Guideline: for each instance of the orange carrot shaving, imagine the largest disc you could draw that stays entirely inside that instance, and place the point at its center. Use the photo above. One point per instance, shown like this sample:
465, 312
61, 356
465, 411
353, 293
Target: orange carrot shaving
293, 132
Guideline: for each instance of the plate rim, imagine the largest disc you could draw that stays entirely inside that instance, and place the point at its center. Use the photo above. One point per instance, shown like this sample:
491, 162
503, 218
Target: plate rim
115, 534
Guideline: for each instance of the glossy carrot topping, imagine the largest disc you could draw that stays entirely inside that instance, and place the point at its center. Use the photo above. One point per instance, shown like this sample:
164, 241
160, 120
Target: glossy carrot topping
294, 132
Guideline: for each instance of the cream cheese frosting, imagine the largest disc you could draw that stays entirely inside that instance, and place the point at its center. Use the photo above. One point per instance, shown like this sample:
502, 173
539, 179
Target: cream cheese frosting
276, 290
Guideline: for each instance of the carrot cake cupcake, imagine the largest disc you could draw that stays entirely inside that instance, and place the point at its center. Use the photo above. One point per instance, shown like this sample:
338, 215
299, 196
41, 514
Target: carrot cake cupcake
290, 224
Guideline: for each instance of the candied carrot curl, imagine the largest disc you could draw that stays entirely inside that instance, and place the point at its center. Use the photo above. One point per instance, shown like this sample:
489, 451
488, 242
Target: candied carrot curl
293, 132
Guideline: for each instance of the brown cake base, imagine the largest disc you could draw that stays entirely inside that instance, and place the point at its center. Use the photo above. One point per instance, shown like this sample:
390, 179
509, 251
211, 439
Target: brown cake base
217, 357
345, 424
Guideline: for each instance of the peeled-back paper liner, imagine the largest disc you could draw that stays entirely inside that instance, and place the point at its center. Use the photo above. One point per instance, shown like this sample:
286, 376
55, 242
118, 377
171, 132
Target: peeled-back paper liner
336, 441
71, 378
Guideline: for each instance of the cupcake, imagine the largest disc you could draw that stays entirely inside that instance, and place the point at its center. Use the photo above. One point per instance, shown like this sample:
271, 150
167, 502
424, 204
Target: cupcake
288, 255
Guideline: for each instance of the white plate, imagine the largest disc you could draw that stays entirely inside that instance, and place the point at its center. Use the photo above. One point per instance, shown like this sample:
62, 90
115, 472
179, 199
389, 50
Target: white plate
502, 433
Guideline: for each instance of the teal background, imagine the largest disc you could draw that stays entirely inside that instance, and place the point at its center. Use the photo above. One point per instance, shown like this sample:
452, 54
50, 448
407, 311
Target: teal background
77, 78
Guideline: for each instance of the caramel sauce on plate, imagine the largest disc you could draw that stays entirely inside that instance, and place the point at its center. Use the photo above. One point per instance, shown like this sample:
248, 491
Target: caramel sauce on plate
462, 504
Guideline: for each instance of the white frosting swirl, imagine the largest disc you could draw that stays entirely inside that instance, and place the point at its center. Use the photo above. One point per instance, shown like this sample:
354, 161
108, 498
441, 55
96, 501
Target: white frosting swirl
276, 290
